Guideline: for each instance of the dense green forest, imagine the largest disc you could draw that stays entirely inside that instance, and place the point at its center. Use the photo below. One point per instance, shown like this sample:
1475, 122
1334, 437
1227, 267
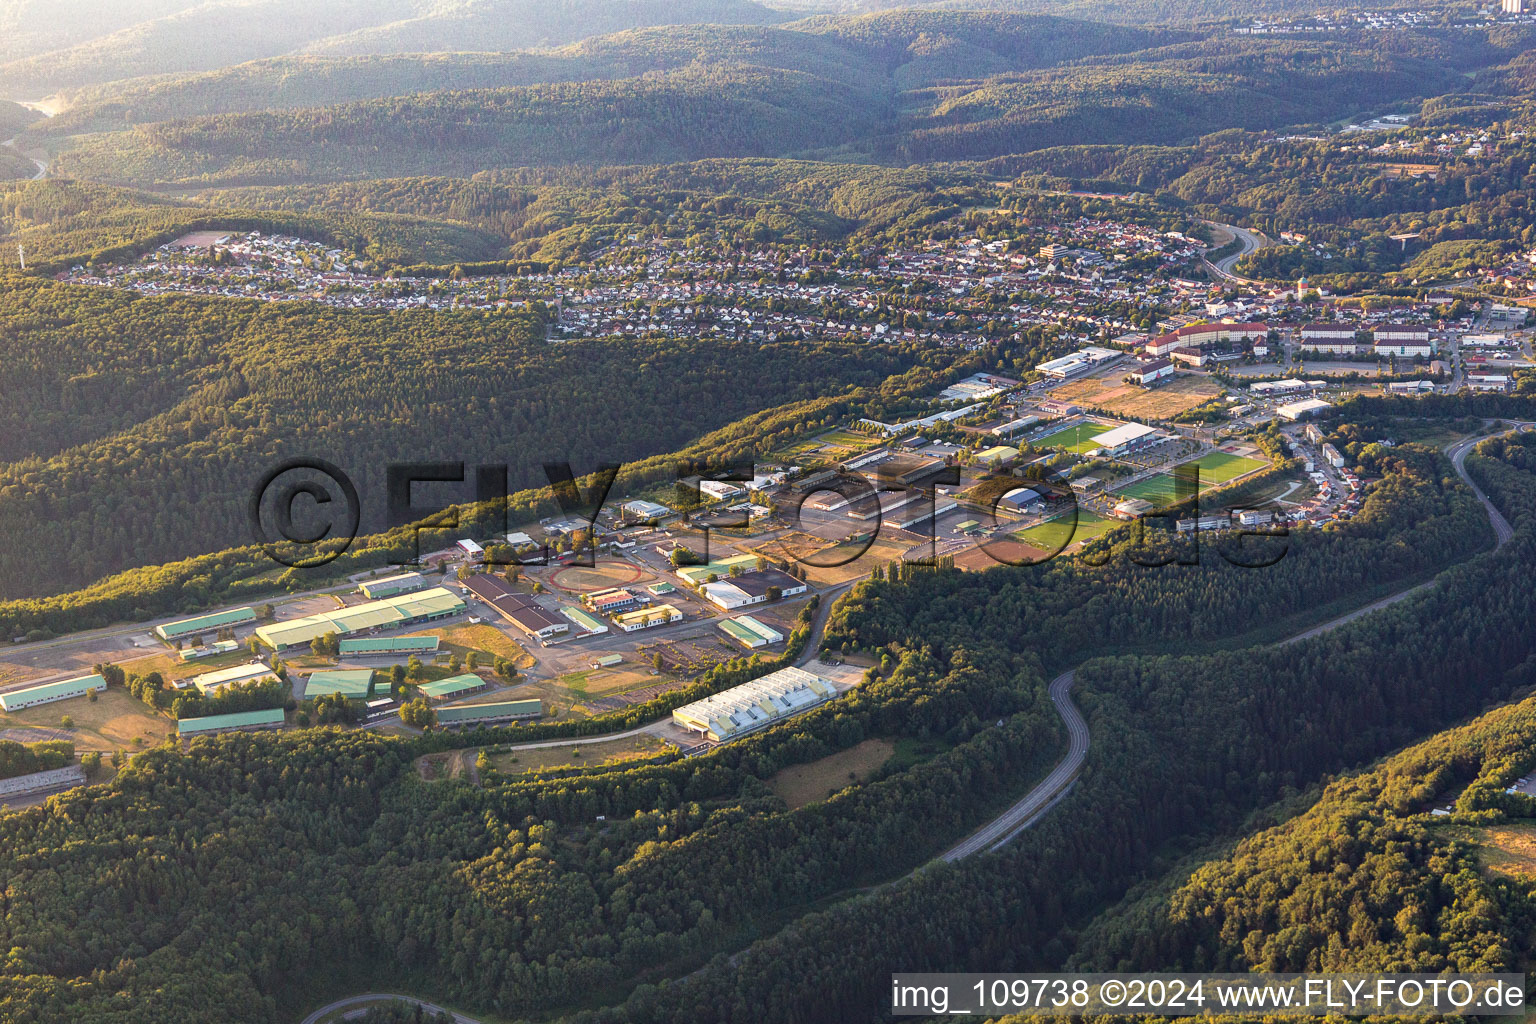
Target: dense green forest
222, 390
908, 49
157, 37
511, 897
899, 88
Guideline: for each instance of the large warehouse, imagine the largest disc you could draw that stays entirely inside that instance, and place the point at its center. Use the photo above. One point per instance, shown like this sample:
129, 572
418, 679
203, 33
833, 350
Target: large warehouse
755, 705
244, 720
519, 609
393, 612
47, 693
350, 683
389, 646
205, 623
212, 682
485, 714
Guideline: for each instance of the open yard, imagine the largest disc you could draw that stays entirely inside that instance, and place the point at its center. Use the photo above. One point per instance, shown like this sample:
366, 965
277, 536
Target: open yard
1167, 398
803, 784
628, 749
598, 681
112, 722
487, 639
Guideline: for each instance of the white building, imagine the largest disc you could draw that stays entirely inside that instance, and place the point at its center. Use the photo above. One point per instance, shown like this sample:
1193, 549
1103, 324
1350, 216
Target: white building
1302, 409
755, 705
1127, 438
212, 682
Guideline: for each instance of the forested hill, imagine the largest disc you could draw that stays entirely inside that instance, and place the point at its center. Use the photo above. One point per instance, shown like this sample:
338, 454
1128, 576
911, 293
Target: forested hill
163, 36
908, 50
805, 107
172, 408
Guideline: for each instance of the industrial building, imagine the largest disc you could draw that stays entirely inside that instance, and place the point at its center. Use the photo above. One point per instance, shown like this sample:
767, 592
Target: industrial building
997, 456
388, 646
47, 693
212, 650
1301, 410
645, 618
642, 509
1127, 438
244, 721
453, 687
35, 783
1131, 508
205, 623
213, 682
405, 610
1020, 499
1013, 427
392, 586
519, 609
751, 588
485, 714
586, 623
1083, 361
755, 705
470, 550
350, 683
749, 632
919, 512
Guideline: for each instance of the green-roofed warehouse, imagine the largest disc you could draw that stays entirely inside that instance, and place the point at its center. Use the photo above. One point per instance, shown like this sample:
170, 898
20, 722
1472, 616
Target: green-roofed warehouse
47, 693
405, 610
364, 646
453, 686
479, 714
696, 574
271, 719
205, 623
350, 683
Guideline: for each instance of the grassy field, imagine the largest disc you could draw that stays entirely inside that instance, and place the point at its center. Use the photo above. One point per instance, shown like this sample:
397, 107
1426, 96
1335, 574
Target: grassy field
112, 722
879, 553
1216, 468
486, 639
611, 752
1077, 438
1505, 849
596, 682
803, 784
1052, 535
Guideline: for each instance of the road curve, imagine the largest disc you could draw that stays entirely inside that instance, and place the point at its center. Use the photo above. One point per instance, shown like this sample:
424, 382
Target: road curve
1021, 815
367, 998
1250, 240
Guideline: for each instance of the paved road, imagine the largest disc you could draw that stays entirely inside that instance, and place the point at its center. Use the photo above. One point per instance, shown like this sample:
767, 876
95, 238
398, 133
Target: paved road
1250, 240
1021, 815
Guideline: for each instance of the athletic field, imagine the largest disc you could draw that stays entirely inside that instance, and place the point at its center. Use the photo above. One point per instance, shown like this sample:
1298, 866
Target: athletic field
1077, 439
1216, 468
1057, 533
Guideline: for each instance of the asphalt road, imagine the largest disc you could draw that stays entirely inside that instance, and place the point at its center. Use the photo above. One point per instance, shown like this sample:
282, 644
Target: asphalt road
361, 1001
1250, 240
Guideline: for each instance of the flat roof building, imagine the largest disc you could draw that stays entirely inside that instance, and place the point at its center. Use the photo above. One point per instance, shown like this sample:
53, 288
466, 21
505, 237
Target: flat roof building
390, 586
452, 687
587, 623
213, 682
205, 623
244, 720
392, 612
483, 714
749, 632
350, 683
1127, 438
645, 618
47, 693
1300, 410
382, 646
755, 705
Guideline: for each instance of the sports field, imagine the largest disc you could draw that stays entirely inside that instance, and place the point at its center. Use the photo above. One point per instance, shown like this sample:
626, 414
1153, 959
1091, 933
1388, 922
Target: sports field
1216, 468
1057, 533
1078, 438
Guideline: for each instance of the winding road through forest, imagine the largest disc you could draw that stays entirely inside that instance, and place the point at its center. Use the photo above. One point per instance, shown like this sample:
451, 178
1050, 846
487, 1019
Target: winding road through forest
1002, 829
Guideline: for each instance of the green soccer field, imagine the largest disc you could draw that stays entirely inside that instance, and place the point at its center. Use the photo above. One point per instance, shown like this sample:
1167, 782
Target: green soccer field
1078, 439
1057, 533
1216, 468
